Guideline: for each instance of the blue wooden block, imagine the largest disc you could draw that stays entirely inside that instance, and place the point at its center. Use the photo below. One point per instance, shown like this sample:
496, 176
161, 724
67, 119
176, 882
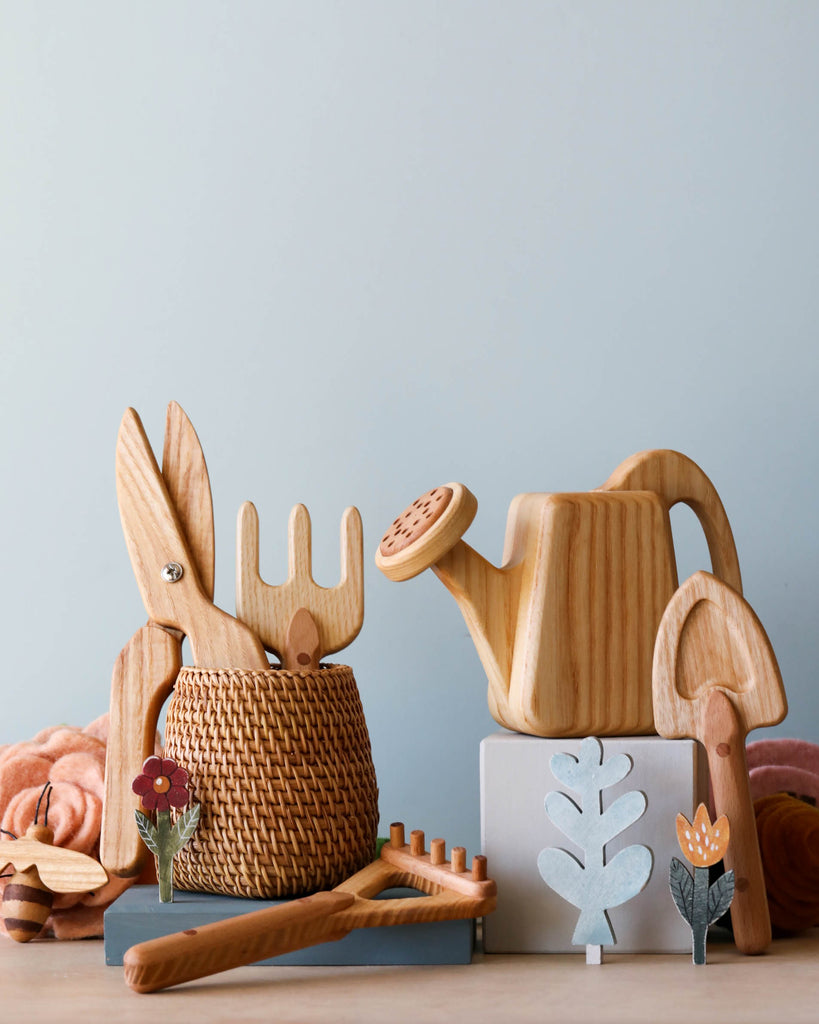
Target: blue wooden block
138, 916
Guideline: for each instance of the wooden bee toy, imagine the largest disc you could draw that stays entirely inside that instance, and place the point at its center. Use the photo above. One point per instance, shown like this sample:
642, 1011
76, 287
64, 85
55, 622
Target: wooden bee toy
41, 870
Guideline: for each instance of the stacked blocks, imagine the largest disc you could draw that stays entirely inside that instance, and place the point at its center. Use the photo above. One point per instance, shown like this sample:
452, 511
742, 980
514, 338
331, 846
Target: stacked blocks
515, 778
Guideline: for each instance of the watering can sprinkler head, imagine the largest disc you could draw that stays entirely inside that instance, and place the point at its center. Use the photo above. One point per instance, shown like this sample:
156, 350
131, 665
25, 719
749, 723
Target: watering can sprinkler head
425, 531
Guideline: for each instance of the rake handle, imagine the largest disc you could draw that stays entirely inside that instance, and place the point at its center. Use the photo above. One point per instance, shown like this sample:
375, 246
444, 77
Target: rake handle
237, 942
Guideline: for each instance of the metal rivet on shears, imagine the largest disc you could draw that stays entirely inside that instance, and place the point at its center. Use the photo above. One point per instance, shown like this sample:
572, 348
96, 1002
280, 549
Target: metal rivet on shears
172, 572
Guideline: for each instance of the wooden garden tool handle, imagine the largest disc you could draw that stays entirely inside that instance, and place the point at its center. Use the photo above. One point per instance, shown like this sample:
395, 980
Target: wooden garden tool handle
200, 952
302, 643
143, 677
676, 478
724, 741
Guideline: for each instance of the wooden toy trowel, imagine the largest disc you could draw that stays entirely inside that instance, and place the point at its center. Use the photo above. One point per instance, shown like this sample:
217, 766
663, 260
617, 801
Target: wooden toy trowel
715, 678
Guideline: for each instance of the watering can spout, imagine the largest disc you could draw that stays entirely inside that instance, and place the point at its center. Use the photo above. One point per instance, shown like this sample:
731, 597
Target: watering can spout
427, 535
488, 598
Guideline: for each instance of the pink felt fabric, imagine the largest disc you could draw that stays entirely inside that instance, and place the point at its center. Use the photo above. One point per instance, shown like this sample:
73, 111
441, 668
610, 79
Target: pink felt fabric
796, 753
73, 760
784, 766
770, 779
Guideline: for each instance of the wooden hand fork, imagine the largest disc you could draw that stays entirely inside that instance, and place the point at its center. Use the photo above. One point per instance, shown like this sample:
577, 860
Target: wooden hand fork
452, 894
299, 620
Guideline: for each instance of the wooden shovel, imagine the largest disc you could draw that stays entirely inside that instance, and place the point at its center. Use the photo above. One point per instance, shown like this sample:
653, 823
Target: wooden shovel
715, 678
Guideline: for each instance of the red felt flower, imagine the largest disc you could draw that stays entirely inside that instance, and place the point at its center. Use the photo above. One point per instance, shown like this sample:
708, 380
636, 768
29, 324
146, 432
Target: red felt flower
162, 784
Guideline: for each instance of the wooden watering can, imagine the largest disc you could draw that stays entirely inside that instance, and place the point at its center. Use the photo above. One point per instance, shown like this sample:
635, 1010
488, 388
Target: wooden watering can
565, 628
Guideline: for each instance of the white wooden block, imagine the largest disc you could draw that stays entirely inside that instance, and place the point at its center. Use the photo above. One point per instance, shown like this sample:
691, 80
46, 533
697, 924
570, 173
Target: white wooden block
594, 955
515, 778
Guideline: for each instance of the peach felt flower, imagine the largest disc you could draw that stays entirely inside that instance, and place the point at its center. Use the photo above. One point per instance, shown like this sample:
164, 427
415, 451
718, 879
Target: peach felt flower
73, 760
702, 843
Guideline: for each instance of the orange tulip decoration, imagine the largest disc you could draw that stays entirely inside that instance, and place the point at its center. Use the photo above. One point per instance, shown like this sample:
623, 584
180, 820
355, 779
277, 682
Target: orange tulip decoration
699, 903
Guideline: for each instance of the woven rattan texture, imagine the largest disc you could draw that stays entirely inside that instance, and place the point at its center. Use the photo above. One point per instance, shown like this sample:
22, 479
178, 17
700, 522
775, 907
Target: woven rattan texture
282, 766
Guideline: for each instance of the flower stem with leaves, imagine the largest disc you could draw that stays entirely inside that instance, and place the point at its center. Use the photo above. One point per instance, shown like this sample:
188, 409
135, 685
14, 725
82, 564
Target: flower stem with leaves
163, 784
699, 903
597, 884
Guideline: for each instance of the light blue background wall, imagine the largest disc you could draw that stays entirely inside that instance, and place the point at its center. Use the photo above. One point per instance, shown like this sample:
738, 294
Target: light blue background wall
372, 247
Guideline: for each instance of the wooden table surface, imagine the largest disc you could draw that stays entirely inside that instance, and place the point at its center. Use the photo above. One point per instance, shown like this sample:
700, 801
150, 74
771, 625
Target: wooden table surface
68, 981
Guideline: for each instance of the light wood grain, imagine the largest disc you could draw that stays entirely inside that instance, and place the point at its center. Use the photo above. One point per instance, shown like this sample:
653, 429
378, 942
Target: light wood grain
61, 869
186, 477
489, 599
565, 627
323, 917
723, 736
715, 677
596, 571
338, 611
155, 538
710, 637
675, 478
142, 680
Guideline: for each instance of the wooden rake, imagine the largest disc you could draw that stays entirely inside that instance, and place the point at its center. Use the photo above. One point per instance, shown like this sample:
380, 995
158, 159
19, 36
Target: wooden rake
452, 893
299, 620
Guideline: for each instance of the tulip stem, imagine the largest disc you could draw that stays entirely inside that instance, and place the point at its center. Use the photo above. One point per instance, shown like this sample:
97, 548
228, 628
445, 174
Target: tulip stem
699, 924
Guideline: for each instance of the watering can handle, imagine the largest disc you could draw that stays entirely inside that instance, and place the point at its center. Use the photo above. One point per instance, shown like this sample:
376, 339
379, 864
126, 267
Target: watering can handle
676, 478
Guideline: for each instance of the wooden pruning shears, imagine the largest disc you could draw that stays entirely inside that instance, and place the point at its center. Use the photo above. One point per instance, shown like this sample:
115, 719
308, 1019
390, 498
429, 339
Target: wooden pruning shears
167, 519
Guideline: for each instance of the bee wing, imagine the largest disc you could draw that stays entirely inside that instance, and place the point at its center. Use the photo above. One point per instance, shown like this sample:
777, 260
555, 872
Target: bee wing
18, 857
60, 869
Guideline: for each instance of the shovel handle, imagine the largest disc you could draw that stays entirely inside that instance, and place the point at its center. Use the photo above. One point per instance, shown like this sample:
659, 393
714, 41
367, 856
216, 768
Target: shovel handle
236, 942
724, 741
143, 677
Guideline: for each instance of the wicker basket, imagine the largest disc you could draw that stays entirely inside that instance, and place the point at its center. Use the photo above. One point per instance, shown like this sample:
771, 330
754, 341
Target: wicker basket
282, 767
